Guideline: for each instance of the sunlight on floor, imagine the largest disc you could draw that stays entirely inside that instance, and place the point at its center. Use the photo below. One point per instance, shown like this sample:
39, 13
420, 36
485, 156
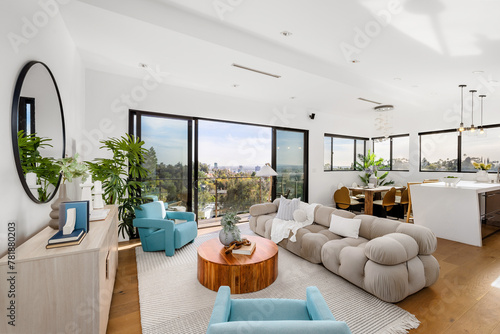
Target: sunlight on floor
496, 283
129, 244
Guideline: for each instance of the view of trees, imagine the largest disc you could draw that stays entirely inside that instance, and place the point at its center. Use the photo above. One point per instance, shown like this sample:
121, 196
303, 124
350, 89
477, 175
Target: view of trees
236, 191
440, 165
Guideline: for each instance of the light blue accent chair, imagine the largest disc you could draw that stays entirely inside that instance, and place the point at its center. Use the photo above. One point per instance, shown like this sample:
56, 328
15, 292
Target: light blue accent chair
158, 230
154, 198
274, 316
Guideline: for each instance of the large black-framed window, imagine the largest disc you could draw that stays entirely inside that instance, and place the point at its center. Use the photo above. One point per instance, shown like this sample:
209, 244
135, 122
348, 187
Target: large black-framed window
26, 119
446, 151
394, 150
207, 179
340, 152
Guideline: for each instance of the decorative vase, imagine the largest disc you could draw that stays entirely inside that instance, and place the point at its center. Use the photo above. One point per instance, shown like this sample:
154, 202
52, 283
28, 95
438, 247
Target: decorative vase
373, 180
482, 176
54, 214
226, 237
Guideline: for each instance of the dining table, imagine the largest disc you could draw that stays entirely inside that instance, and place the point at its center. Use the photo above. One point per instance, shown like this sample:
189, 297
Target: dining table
369, 192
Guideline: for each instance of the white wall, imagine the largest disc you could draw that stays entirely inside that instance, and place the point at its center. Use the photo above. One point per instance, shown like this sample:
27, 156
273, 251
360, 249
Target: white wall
109, 96
50, 43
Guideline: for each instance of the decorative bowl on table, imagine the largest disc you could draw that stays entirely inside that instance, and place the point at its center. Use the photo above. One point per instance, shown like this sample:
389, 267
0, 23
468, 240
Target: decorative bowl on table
450, 181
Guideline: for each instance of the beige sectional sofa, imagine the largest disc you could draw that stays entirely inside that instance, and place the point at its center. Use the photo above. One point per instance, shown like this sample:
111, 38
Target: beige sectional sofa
389, 259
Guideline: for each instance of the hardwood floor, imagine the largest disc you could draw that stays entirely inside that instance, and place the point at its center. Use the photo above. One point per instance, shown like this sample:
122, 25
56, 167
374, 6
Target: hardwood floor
463, 300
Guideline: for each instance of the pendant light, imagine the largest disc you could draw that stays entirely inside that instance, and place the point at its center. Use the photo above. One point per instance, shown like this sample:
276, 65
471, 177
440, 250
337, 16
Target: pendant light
481, 129
461, 128
472, 128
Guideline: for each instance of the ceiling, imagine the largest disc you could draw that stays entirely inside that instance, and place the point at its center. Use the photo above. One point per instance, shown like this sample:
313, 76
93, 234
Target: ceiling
412, 53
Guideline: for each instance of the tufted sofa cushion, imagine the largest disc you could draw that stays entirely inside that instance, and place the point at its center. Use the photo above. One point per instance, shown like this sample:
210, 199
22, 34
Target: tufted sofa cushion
262, 209
389, 259
391, 249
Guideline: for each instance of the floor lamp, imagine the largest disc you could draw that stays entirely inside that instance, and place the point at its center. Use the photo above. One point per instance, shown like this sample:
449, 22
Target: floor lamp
266, 171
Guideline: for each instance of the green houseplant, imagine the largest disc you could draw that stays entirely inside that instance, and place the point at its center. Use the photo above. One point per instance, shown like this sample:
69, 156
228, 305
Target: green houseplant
369, 165
32, 161
120, 176
69, 168
230, 232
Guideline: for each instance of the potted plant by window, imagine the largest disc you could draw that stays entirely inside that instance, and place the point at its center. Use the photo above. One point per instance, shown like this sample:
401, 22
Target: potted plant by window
230, 232
369, 164
120, 177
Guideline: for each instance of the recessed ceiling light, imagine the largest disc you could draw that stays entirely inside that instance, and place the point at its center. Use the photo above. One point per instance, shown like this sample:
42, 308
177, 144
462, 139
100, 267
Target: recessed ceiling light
384, 107
143, 65
293, 97
397, 79
286, 33
236, 85
477, 72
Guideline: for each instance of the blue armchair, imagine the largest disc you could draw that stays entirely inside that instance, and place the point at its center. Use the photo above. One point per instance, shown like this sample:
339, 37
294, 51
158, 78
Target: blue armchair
158, 230
276, 316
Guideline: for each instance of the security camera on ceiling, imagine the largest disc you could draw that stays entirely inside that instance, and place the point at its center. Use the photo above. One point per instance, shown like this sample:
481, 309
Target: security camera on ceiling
312, 115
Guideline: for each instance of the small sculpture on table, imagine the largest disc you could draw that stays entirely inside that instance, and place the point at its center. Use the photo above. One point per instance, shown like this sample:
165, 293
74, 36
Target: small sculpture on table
87, 192
98, 200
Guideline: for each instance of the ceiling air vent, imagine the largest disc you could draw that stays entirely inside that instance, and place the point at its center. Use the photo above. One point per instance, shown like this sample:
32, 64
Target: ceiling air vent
366, 100
256, 71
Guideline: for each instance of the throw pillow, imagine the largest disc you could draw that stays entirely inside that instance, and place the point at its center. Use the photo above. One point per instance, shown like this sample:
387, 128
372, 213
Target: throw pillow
345, 227
300, 215
287, 207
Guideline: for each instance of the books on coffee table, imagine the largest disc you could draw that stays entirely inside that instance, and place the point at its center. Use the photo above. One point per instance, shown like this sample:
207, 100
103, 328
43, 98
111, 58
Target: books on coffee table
245, 250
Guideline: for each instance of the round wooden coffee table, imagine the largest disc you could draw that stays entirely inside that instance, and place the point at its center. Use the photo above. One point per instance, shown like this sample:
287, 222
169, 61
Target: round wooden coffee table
242, 273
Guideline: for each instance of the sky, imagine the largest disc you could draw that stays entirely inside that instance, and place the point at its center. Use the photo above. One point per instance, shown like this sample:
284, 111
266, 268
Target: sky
227, 144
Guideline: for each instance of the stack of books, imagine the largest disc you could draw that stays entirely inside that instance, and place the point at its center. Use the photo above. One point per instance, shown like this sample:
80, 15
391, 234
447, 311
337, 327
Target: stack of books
61, 240
245, 250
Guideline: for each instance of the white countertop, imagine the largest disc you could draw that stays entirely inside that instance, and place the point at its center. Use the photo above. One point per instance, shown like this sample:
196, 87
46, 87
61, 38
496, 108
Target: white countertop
466, 185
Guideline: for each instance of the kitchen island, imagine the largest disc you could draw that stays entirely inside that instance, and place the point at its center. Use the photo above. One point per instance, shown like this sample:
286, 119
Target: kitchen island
455, 212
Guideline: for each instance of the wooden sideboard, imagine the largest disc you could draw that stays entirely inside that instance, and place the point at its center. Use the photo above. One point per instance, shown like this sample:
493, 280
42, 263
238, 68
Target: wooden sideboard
63, 290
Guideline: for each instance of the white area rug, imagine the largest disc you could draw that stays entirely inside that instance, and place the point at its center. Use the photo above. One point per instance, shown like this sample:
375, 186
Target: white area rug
173, 301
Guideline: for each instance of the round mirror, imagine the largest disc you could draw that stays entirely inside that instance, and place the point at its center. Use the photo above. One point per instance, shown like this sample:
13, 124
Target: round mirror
38, 133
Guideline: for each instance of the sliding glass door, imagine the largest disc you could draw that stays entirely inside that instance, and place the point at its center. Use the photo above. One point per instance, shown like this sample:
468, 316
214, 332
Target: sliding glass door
168, 141
291, 163
209, 166
229, 155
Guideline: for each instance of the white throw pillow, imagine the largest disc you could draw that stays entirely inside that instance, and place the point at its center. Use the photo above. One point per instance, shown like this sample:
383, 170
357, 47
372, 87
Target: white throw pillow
300, 215
287, 207
345, 227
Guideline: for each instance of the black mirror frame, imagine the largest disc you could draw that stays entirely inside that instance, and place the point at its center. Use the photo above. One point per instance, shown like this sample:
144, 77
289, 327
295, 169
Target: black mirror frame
14, 125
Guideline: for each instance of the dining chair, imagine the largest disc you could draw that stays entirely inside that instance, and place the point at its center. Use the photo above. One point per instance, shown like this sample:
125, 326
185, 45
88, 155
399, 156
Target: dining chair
387, 204
343, 200
409, 213
403, 201
357, 195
